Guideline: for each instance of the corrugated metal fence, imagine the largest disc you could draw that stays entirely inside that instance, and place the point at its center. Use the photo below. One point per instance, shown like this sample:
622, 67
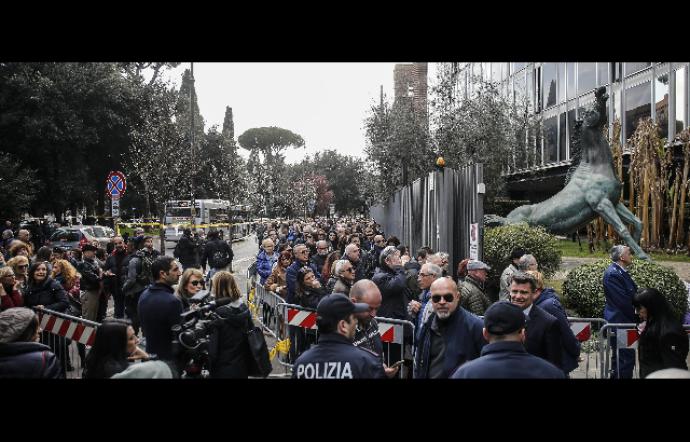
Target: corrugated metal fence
436, 211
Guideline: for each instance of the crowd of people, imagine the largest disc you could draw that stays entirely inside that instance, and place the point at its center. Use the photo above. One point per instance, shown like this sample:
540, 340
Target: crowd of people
346, 270
310, 263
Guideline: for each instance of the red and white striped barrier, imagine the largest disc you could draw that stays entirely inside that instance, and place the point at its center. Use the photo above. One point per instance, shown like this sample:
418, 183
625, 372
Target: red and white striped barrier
581, 330
627, 338
301, 318
391, 333
74, 330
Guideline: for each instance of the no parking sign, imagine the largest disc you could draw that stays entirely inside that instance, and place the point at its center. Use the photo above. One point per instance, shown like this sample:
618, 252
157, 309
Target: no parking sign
116, 184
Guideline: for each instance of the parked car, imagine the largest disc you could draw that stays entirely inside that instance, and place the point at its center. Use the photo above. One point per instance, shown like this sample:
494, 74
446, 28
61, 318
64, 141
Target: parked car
76, 236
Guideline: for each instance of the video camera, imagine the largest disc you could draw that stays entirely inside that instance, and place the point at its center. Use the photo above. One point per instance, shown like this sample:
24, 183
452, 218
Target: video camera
191, 335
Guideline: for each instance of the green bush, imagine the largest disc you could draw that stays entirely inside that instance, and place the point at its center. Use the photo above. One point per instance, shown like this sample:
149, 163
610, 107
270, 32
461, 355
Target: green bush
499, 243
583, 290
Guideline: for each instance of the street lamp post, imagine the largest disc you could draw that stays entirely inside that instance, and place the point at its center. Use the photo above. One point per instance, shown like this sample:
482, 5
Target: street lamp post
192, 209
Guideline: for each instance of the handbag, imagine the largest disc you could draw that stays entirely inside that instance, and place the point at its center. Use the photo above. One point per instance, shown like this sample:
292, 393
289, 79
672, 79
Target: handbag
259, 362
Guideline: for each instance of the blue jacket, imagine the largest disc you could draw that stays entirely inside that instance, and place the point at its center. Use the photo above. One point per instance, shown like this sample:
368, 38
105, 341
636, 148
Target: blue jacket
291, 278
619, 289
506, 359
463, 341
28, 360
548, 301
335, 357
264, 265
159, 310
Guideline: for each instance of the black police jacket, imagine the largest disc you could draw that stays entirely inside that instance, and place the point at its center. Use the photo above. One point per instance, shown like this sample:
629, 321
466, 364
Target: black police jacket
334, 357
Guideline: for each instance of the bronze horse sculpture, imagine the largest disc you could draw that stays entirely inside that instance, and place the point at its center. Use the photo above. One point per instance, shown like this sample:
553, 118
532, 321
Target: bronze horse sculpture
592, 189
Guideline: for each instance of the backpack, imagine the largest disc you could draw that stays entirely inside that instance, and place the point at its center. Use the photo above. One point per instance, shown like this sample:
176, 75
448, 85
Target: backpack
144, 276
219, 259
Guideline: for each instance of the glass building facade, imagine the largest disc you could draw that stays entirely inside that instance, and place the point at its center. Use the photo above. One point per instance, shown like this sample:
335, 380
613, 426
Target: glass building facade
557, 93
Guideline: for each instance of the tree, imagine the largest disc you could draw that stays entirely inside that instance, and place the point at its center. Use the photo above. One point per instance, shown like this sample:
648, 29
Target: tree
266, 164
398, 146
486, 127
18, 187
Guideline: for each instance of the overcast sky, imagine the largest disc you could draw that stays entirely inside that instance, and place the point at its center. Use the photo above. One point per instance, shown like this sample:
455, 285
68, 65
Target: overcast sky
325, 103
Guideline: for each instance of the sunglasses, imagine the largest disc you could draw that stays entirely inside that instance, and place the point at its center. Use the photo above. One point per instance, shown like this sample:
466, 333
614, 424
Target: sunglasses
196, 283
437, 298
25, 266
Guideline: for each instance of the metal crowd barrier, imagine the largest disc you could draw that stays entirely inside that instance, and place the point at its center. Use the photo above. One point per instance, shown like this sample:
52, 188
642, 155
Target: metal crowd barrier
267, 305
586, 331
303, 333
67, 336
627, 337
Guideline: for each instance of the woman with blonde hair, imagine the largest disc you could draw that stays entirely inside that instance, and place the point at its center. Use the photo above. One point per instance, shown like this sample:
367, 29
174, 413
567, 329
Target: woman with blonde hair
9, 294
229, 353
21, 248
68, 277
277, 282
20, 265
191, 283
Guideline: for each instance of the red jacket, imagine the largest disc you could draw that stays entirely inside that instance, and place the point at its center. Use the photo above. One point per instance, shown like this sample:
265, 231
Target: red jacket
13, 299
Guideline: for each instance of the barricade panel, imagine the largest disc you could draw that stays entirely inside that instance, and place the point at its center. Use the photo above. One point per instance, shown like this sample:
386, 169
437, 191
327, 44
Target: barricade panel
67, 336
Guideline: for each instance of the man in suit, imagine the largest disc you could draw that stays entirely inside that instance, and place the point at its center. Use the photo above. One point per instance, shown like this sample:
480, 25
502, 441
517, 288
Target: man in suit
543, 335
619, 290
505, 356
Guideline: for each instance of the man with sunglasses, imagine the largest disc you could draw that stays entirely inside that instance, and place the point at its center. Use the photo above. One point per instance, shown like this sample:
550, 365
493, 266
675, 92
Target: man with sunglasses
450, 337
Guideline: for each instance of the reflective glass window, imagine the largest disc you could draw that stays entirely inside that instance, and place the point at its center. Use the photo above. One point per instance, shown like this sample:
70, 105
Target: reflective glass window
602, 74
571, 79
661, 102
549, 73
562, 137
681, 98
637, 106
530, 88
518, 66
561, 82
586, 80
550, 140
631, 68
571, 127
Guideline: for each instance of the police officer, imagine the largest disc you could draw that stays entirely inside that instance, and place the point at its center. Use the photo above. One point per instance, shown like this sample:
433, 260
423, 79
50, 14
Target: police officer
334, 357
505, 355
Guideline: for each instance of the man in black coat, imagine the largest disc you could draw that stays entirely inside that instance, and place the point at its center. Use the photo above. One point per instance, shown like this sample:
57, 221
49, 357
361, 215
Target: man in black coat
217, 253
160, 309
186, 250
543, 335
113, 270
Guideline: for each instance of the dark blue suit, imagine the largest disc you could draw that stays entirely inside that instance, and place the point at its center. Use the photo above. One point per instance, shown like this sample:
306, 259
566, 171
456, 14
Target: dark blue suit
506, 359
159, 310
543, 336
334, 357
619, 290
548, 301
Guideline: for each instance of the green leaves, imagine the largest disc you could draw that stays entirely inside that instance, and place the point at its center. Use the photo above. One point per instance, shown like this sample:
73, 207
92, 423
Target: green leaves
499, 242
583, 290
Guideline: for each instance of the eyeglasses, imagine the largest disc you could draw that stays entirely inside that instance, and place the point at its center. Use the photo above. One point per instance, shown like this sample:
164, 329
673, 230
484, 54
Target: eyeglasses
196, 283
25, 266
449, 297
